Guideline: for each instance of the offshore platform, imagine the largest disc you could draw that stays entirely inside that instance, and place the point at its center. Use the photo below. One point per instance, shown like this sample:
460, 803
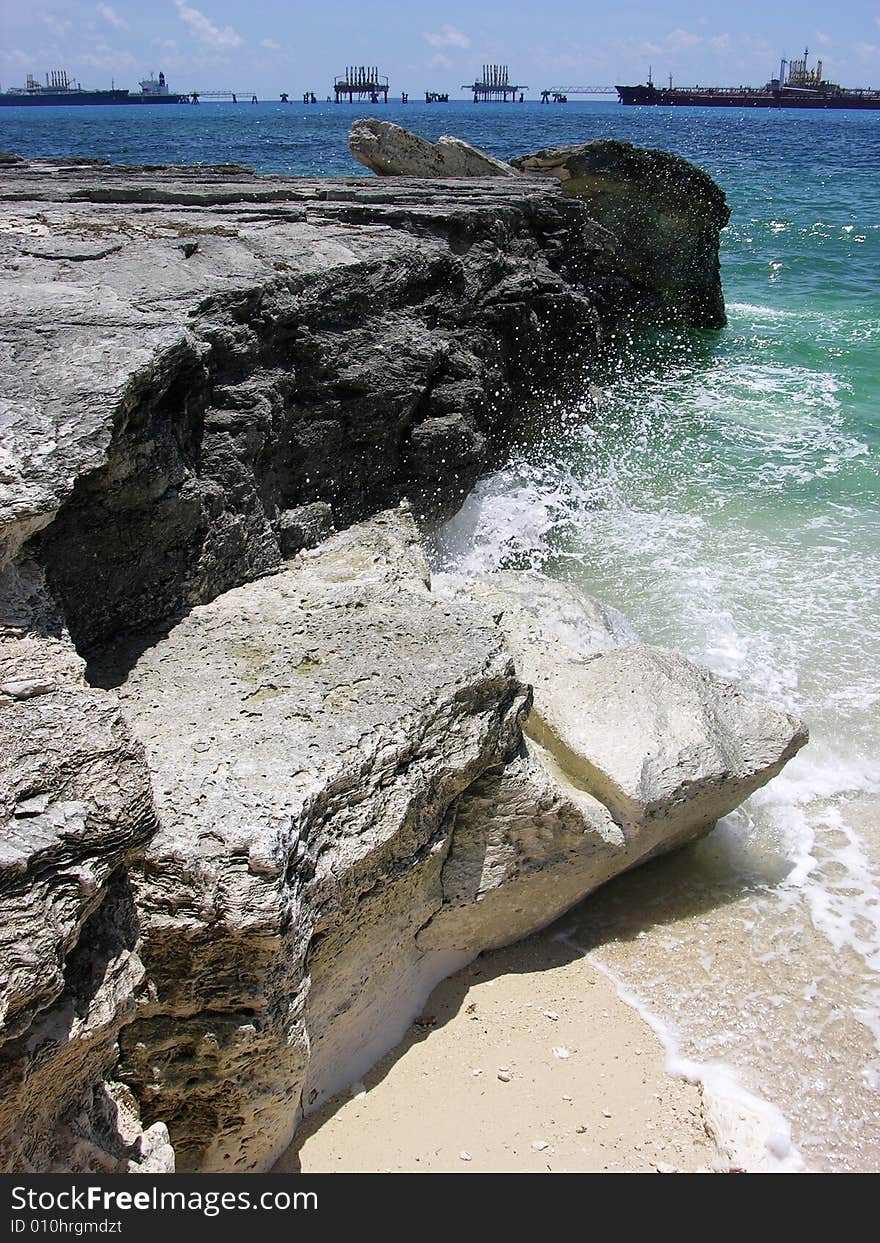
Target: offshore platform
495, 84
361, 81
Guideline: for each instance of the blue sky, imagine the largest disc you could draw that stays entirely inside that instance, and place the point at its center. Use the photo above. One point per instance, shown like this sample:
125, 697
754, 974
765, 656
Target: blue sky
275, 45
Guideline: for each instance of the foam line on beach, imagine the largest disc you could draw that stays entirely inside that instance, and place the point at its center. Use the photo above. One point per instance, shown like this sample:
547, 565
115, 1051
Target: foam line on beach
750, 1133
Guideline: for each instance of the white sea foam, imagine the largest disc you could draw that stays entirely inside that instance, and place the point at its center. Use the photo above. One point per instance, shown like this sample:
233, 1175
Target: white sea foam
750, 1133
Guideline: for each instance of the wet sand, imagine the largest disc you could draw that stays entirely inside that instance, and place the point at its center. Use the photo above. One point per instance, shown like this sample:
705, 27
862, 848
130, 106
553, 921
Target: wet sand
525, 1061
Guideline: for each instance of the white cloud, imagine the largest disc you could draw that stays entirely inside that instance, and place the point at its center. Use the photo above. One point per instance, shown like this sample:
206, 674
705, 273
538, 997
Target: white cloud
440, 61
58, 25
16, 56
203, 29
866, 51
676, 40
101, 56
721, 42
110, 16
271, 45
576, 57
447, 36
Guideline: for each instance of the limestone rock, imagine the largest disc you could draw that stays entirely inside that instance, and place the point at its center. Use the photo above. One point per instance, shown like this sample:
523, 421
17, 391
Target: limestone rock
76, 809
307, 735
342, 342
348, 811
75, 800
304, 527
539, 615
526, 846
629, 752
650, 734
392, 151
657, 738
665, 216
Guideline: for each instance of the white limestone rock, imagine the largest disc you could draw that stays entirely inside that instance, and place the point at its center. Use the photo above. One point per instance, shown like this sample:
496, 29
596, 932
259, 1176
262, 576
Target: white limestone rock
659, 739
650, 734
542, 618
392, 151
526, 846
629, 752
307, 735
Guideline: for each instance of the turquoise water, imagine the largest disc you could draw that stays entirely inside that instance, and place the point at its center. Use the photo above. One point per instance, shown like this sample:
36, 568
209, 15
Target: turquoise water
726, 499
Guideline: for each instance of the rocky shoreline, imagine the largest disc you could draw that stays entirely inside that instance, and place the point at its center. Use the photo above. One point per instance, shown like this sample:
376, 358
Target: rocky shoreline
262, 787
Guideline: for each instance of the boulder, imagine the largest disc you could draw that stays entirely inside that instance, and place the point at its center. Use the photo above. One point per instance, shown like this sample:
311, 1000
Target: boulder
392, 151
170, 423
350, 811
650, 734
307, 735
543, 619
526, 846
344, 810
629, 752
657, 738
303, 527
665, 216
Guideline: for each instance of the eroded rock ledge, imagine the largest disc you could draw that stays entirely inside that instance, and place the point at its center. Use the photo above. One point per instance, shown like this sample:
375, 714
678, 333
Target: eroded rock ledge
311, 786
194, 355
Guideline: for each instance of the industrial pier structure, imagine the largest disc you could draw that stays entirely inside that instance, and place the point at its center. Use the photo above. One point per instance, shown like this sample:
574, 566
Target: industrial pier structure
495, 84
361, 81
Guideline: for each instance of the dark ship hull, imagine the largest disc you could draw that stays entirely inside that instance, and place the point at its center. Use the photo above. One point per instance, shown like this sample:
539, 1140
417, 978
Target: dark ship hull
746, 97
68, 99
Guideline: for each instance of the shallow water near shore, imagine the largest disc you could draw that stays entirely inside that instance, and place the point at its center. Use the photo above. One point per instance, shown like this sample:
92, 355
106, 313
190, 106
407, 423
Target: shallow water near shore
725, 497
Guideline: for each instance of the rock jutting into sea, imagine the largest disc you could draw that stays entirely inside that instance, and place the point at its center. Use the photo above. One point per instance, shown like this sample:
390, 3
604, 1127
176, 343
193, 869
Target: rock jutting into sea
262, 786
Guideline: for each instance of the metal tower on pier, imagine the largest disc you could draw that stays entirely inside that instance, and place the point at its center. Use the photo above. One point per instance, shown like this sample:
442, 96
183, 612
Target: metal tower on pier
361, 81
495, 84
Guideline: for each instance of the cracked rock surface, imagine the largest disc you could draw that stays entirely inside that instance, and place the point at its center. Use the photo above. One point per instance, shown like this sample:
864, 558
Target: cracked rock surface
307, 735
193, 354
76, 808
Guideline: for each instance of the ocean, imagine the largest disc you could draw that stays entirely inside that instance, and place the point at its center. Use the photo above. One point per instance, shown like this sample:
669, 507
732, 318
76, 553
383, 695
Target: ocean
726, 499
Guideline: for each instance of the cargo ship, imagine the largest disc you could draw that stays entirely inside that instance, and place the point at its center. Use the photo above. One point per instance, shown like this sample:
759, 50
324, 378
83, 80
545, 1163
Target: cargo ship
61, 91
801, 87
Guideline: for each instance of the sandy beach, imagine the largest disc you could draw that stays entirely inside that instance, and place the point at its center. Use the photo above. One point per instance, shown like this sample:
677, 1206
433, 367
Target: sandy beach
525, 1061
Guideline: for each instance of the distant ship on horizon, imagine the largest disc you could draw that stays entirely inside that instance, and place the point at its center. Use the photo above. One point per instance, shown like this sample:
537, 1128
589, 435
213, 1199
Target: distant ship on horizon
61, 91
801, 88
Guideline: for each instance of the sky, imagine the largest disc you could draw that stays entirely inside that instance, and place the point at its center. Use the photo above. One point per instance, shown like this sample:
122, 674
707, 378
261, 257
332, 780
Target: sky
270, 46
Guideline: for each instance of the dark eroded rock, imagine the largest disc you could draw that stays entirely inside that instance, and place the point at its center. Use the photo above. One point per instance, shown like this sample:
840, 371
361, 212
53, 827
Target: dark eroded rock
342, 342
664, 215
348, 342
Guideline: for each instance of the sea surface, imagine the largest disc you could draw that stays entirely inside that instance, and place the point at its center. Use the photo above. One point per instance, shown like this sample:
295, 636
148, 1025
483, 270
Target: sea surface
726, 498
